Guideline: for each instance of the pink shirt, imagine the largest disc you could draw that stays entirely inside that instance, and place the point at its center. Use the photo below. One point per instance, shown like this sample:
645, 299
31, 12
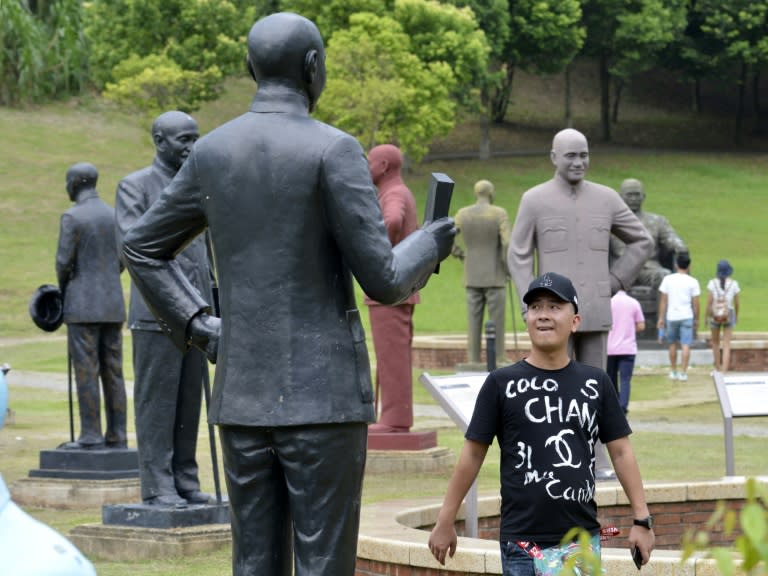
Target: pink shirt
626, 312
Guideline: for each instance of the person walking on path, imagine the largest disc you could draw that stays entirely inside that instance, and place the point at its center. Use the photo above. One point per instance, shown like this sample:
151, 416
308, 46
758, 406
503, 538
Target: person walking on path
679, 313
548, 464
628, 320
722, 312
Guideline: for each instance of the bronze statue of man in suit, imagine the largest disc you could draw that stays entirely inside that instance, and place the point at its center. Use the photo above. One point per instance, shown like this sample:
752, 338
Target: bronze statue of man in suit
88, 270
564, 225
293, 216
168, 383
484, 229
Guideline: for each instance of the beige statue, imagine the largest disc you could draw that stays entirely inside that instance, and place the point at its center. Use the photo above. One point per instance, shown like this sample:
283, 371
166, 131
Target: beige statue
484, 229
667, 243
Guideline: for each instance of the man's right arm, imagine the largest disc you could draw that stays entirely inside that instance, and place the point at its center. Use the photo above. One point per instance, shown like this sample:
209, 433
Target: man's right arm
66, 251
150, 245
130, 205
443, 538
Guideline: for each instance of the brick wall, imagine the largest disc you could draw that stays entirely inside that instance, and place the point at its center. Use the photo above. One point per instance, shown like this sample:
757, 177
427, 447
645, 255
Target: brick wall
671, 519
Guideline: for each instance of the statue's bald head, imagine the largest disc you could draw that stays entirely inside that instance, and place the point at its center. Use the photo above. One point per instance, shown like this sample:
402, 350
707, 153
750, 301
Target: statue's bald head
632, 193
173, 122
570, 155
384, 160
288, 49
81, 176
567, 137
484, 189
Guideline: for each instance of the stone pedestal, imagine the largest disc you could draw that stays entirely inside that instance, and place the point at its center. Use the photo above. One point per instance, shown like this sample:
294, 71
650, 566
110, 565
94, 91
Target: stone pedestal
437, 459
146, 516
128, 543
74, 494
102, 464
415, 440
142, 532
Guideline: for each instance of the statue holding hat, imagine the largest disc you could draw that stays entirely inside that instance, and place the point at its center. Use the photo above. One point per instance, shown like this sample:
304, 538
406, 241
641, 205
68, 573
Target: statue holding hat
88, 270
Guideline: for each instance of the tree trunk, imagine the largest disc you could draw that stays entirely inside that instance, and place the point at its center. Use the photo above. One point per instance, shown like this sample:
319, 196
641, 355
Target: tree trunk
696, 96
500, 100
568, 116
605, 98
616, 99
756, 101
740, 104
485, 137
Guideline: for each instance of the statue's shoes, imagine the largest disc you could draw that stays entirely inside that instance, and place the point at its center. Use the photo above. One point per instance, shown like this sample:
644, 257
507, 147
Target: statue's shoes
80, 446
166, 501
120, 445
197, 497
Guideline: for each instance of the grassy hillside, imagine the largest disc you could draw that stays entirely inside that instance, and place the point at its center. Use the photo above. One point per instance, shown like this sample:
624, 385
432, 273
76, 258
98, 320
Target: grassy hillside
712, 199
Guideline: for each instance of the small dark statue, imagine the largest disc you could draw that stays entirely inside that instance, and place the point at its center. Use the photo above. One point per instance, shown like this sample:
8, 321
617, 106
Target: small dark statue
88, 270
293, 216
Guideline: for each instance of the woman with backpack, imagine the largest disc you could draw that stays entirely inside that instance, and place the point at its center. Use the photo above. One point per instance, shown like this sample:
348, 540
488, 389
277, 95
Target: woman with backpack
722, 312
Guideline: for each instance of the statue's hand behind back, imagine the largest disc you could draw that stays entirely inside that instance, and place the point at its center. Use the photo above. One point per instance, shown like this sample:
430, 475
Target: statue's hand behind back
203, 333
443, 230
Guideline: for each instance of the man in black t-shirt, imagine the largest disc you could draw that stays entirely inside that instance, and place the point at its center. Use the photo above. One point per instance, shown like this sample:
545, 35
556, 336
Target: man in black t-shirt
547, 412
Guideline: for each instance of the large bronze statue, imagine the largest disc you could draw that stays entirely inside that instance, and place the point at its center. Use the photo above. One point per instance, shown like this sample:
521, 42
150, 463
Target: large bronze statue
667, 243
88, 270
168, 383
564, 225
485, 230
392, 326
293, 216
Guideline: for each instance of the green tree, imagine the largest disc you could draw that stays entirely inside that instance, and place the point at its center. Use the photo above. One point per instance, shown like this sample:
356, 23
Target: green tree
380, 91
740, 28
333, 15
156, 83
626, 36
199, 41
544, 38
42, 51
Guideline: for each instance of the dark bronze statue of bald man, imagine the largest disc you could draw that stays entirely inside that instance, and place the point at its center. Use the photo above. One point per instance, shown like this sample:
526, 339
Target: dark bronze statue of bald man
168, 383
88, 270
293, 216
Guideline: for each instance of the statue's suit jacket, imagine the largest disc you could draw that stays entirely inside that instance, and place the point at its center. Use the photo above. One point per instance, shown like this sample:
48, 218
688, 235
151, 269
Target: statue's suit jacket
567, 229
292, 213
135, 194
485, 229
87, 263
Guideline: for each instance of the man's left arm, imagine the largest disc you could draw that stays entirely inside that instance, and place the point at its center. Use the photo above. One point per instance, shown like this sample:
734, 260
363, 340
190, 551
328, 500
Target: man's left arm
628, 472
639, 247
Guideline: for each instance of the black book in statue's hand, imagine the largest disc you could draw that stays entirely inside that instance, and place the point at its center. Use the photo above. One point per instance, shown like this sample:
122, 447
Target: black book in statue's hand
438, 200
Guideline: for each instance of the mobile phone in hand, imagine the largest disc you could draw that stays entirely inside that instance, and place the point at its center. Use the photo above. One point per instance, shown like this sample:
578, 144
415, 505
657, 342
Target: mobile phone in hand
637, 556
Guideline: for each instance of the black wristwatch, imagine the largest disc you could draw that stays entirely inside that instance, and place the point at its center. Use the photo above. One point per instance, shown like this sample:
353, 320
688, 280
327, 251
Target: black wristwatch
644, 522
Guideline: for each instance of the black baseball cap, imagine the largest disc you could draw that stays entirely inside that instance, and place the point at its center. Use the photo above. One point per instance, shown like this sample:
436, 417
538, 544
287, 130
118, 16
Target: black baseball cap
555, 283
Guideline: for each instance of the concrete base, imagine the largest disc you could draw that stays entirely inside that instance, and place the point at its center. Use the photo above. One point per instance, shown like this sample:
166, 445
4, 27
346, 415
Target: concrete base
128, 543
414, 440
74, 494
103, 464
437, 459
145, 516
